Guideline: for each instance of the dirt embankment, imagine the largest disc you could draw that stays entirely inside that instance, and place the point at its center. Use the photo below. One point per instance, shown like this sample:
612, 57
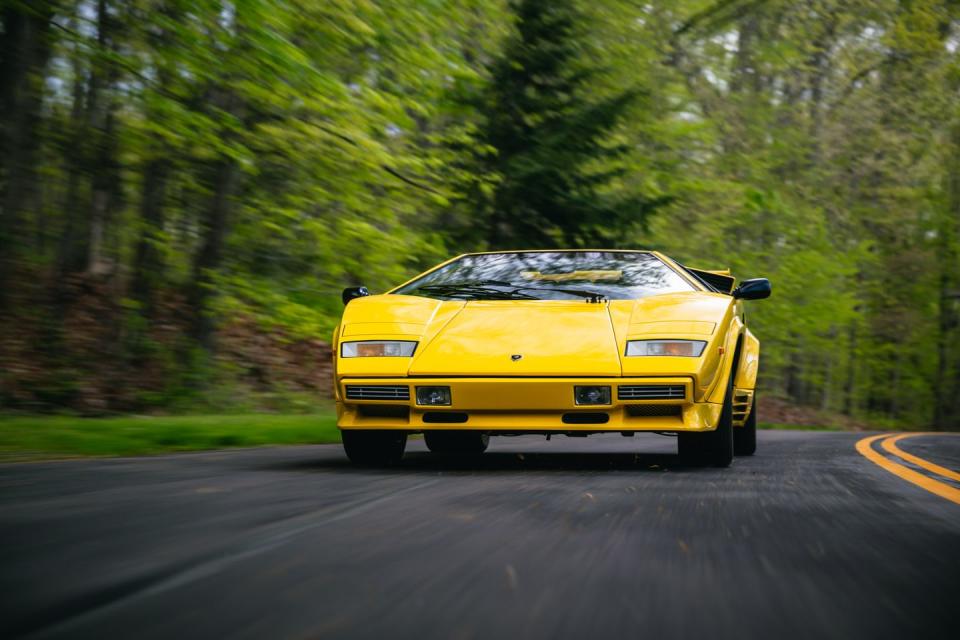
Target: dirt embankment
96, 355
777, 411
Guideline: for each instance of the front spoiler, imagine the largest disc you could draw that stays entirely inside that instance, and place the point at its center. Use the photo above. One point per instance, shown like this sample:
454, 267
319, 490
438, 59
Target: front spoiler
519, 405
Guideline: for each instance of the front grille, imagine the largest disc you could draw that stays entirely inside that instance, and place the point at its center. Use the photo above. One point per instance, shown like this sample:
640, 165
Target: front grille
651, 392
378, 392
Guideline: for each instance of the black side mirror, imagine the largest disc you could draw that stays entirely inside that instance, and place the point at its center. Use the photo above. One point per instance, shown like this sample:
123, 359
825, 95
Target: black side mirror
753, 289
353, 292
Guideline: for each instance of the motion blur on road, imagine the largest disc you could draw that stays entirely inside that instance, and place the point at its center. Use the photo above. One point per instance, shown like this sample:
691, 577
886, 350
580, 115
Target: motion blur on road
186, 187
599, 537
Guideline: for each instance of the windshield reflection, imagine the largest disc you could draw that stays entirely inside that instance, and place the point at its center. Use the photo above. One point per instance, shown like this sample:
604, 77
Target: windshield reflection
549, 275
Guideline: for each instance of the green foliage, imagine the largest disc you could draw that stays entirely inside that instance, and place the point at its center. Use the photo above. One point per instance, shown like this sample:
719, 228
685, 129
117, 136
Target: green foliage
545, 160
171, 170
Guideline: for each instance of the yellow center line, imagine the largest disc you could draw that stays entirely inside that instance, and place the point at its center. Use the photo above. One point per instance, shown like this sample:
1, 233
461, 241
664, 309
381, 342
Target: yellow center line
890, 445
933, 486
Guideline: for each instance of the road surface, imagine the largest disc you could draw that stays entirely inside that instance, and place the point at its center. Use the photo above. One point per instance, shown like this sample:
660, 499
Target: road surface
603, 537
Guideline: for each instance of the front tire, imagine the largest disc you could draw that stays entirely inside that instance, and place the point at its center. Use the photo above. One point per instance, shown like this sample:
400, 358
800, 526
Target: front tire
745, 437
713, 447
379, 448
456, 442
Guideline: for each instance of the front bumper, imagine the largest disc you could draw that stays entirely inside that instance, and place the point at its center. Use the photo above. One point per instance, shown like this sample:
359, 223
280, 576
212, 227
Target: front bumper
517, 405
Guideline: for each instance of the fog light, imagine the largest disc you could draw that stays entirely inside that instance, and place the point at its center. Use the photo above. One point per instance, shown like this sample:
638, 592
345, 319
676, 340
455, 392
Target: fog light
591, 395
433, 396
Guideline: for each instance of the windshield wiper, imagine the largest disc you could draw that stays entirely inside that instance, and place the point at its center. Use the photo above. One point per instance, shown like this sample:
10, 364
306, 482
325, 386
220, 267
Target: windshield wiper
486, 288
481, 290
591, 296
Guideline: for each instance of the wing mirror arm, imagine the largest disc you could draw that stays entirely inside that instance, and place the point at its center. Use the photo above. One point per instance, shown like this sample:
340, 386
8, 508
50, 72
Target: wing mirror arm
753, 289
353, 292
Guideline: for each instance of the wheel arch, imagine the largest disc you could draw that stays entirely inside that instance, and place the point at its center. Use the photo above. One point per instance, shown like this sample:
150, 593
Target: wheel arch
748, 364
729, 366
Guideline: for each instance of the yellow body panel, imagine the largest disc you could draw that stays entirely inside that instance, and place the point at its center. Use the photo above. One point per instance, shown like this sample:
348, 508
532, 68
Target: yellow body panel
469, 346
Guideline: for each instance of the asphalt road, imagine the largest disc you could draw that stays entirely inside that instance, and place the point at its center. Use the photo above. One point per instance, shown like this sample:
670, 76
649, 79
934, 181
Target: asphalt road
604, 537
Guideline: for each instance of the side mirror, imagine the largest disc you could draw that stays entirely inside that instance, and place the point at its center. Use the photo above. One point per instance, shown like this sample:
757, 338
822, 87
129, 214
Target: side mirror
353, 292
753, 289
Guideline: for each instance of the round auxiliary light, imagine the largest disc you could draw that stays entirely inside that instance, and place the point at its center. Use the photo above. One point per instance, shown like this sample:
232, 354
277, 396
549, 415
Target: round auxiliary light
591, 395
433, 396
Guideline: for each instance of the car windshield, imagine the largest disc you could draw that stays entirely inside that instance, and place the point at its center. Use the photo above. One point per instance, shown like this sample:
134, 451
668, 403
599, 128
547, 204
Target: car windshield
549, 275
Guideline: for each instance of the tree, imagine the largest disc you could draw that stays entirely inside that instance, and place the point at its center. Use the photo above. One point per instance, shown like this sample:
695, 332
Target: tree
546, 155
26, 43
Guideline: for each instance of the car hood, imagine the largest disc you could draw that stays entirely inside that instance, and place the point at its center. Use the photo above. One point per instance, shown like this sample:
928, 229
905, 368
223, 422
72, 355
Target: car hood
552, 338
520, 338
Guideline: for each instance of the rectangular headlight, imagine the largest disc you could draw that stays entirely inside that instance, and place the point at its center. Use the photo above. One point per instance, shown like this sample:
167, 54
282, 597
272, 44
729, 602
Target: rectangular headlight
591, 395
688, 348
433, 396
378, 349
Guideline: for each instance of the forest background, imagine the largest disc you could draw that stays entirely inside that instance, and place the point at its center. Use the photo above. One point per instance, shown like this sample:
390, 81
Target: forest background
187, 185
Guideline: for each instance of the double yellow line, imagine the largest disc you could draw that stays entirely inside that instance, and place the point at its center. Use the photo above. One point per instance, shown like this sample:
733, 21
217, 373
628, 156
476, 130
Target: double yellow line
889, 444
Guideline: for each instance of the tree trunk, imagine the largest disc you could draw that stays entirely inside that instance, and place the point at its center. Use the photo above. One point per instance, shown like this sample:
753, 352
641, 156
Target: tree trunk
25, 48
148, 262
849, 386
948, 294
102, 122
148, 265
226, 175
819, 64
72, 251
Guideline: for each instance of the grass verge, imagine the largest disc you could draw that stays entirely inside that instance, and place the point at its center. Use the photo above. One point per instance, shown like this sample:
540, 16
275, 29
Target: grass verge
53, 437
799, 427
50, 437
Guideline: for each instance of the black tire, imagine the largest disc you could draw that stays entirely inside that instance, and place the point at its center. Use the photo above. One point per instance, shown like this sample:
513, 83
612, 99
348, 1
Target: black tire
691, 447
378, 448
745, 437
721, 445
457, 442
711, 447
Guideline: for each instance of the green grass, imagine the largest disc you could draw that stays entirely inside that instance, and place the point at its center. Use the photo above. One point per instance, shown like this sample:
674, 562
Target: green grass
52, 437
48, 437
799, 427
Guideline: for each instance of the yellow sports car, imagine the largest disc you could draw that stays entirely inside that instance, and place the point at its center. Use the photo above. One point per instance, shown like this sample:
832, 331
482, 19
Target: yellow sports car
549, 342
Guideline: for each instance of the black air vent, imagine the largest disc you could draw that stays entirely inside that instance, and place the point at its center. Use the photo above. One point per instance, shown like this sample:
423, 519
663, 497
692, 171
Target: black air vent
445, 417
378, 392
387, 410
586, 418
651, 392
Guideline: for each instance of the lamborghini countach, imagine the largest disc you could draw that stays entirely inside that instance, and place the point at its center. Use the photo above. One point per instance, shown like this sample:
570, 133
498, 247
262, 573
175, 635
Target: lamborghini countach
549, 342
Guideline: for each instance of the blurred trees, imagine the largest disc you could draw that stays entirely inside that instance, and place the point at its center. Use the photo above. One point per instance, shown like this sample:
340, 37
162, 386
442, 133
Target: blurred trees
833, 122
171, 168
544, 154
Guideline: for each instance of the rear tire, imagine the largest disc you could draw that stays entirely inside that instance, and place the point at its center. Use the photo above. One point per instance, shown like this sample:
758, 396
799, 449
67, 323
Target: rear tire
378, 448
457, 442
712, 447
745, 437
